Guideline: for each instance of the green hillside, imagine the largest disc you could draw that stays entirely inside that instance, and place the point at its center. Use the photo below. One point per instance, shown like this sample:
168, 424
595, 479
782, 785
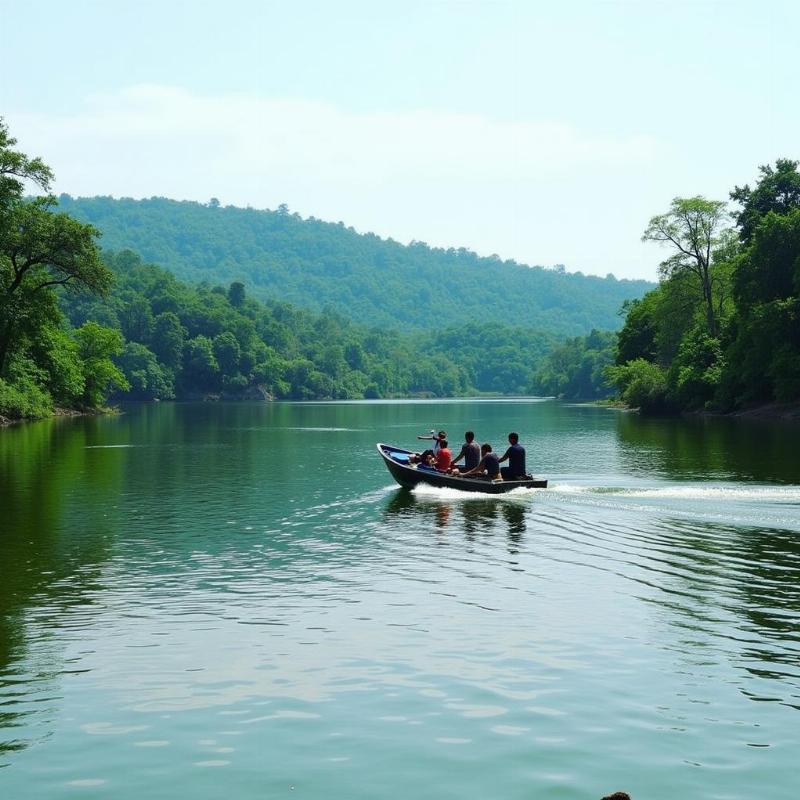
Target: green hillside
373, 281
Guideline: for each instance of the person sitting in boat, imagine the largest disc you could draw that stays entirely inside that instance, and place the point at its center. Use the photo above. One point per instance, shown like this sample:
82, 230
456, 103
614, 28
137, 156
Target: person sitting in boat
488, 466
470, 452
438, 438
515, 455
443, 457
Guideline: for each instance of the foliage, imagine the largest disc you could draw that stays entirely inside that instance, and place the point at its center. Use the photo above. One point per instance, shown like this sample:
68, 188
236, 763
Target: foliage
777, 191
16, 167
96, 346
696, 371
751, 352
576, 370
21, 392
148, 379
375, 282
642, 384
692, 228
202, 340
40, 364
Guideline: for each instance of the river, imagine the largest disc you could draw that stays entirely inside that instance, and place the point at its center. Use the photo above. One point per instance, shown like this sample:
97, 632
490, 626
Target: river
234, 600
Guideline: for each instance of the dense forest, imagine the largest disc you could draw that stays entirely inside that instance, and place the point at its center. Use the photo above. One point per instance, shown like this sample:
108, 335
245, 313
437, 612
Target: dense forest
722, 330
373, 281
577, 369
77, 325
197, 341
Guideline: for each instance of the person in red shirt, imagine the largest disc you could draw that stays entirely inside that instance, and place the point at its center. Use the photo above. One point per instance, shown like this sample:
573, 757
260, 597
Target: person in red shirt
443, 456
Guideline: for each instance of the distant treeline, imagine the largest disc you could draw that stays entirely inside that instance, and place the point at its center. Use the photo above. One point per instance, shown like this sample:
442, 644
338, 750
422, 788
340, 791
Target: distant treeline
193, 341
721, 330
372, 281
78, 326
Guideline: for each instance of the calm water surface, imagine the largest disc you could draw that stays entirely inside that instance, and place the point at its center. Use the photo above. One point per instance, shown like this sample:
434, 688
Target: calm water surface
206, 601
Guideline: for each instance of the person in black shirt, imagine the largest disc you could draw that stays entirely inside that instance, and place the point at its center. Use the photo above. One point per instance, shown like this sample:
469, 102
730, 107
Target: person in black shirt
515, 455
489, 465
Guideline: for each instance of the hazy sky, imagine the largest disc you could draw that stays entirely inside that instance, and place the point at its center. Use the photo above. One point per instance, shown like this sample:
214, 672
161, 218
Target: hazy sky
548, 132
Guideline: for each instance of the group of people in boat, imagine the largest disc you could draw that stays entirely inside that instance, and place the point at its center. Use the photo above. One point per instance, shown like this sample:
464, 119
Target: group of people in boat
479, 461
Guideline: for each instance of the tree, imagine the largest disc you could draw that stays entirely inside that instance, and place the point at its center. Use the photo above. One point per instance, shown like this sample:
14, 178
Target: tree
227, 352
148, 379
200, 368
16, 167
693, 227
770, 267
777, 190
642, 384
136, 319
168, 337
236, 294
39, 248
96, 346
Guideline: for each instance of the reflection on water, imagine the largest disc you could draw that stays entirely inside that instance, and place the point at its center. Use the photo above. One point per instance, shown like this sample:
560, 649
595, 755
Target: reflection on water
684, 449
235, 600
468, 514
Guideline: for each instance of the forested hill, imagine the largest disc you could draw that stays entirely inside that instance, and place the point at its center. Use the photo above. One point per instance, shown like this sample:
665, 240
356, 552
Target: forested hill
315, 264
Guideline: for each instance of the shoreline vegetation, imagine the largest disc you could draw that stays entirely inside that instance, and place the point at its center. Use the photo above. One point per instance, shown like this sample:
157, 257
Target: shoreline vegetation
721, 332
79, 327
768, 412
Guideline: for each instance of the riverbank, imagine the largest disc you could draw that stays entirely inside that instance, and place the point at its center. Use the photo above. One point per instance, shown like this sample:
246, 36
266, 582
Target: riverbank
57, 412
782, 411
788, 412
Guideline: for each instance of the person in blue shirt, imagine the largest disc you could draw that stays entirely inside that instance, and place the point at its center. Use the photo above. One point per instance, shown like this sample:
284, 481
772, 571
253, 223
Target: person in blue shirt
515, 455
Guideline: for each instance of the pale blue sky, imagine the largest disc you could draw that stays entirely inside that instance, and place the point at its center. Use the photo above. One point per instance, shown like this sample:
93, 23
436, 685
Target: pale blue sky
545, 132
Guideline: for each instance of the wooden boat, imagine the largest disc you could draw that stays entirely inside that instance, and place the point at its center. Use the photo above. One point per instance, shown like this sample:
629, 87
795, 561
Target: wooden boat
409, 475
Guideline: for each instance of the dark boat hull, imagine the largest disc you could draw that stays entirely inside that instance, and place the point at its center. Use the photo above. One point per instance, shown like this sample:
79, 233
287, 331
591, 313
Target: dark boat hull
410, 476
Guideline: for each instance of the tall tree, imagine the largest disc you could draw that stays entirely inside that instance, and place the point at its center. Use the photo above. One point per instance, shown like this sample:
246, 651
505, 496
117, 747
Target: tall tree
777, 190
16, 168
39, 248
693, 227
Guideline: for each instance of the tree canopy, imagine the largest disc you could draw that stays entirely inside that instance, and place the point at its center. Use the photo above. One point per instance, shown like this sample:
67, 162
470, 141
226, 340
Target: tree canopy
277, 255
39, 251
722, 330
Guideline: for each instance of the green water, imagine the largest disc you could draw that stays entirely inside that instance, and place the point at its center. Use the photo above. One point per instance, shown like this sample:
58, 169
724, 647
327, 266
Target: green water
207, 601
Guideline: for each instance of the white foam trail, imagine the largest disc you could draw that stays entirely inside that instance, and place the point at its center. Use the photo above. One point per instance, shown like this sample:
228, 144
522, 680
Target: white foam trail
353, 430
772, 494
108, 446
426, 492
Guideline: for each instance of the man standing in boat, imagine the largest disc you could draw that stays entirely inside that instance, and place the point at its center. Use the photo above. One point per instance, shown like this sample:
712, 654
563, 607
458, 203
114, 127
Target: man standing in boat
515, 455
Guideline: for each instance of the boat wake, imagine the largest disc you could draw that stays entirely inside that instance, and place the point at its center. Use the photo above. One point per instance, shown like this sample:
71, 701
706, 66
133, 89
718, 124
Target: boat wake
770, 494
424, 491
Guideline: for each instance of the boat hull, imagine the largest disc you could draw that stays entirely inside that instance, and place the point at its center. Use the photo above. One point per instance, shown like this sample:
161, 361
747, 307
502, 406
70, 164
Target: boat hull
411, 476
